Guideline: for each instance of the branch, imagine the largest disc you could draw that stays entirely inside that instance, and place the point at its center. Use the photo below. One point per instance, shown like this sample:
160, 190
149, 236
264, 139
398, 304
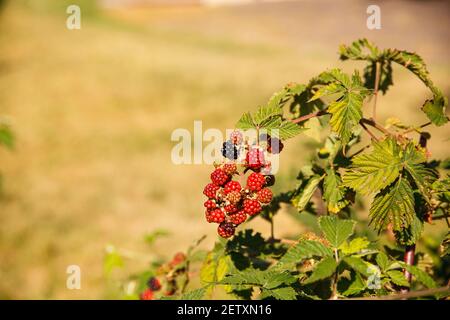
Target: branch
408, 295
368, 131
376, 125
417, 128
309, 116
375, 94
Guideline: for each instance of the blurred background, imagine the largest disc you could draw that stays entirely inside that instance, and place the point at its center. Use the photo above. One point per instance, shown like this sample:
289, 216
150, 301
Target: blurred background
93, 110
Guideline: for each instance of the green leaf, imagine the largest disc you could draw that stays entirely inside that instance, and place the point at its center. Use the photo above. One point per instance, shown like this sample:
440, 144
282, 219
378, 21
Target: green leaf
215, 267
435, 110
394, 204
356, 286
302, 199
361, 49
275, 279
382, 261
420, 275
332, 88
112, 260
305, 249
265, 113
324, 269
288, 130
445, 245
354, 246
194, 294
374, 171
283, 293
346, 114
336, 230
268, 279
334, 192
359, 265
398, 278
151, 237
246, 122
411, 234
6, 136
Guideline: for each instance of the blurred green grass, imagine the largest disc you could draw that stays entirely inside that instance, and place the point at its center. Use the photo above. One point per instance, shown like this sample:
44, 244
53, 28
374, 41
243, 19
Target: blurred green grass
93, 111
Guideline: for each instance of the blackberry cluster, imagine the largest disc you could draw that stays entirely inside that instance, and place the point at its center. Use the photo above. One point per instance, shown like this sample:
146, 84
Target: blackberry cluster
230, 199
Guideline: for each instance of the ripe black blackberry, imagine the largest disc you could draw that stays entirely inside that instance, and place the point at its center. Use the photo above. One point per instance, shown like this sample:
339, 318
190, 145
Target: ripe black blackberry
229, 150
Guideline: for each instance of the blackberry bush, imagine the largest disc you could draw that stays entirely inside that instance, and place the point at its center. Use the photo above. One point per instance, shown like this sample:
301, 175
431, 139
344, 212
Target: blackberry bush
363, 161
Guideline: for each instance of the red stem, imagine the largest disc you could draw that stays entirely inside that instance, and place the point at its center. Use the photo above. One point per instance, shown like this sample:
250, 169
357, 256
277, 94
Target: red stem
309, 116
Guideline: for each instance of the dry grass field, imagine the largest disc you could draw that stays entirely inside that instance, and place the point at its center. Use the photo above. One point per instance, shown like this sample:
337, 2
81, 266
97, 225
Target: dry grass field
93, 111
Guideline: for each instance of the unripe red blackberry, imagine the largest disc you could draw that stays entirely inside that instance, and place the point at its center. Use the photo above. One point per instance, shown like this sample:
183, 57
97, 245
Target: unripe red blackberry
231, 208
216, 216
210, 190
264, 196
238, 217
178, 258
219, 177
232, 186
147, 295
236, 137
210, 204
234, 197
230, 168
226, 229
255, 158
252, 207
153, 284
255, 181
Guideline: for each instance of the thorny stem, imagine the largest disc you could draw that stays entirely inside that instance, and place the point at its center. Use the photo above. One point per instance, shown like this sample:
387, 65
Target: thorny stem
272, 233
368, 131
411, 249
407, 295
376, 125
375, 94
335, 280
417, 128
309, 116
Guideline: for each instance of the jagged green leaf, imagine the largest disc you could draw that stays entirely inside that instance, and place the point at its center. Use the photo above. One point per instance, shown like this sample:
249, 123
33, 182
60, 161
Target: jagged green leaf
288, 130
354, 246
394, 204
336, 230
283, 293
420, 275
324, 269
246, 122
194, 294
435, 110
374, 171
301, 200
382, 261
356, 286
398, 278
334, 192
266, 113
359, 265
305, 249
